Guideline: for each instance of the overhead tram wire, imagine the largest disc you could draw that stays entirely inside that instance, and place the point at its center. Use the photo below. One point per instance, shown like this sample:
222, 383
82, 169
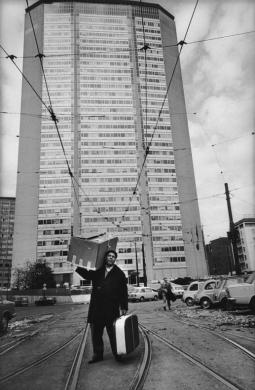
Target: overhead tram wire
77, 115
50, 108
221, 37
55, 120
216, 157
145, 48
39, 55
11, 57
181, 43
151, 48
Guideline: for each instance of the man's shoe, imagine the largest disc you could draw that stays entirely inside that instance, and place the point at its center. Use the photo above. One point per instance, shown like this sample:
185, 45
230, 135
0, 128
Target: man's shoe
164, 308
118, 358
96, 359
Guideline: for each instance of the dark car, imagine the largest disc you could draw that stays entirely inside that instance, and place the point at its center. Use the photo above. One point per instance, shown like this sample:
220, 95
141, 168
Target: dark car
45, 301
21, 301
7, 312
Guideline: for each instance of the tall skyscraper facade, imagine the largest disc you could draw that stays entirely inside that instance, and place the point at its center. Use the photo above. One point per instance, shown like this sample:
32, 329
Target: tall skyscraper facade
114, 156
7, 209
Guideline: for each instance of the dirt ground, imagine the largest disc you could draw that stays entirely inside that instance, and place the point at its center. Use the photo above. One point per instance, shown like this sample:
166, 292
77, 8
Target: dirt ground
164, 371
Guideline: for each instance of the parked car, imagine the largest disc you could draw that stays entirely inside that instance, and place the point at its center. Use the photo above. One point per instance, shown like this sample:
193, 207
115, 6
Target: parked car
192, 290
154, 284
7, 312
177, 290
142, 294
77, 290
242, 294
21, 301
214, 293
45, 301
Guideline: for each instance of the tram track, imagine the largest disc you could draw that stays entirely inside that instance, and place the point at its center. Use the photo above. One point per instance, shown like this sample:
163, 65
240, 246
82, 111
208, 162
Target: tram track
74, 371
144, 366
218, 334
194, 360
5, 348
139, 377
40, 360
72, 380
15, 343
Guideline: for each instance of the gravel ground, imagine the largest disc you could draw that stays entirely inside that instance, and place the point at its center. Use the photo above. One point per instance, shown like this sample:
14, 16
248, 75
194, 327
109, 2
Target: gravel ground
217, 318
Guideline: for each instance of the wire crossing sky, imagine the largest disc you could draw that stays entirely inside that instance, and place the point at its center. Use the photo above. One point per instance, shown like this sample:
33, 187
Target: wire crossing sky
218, 76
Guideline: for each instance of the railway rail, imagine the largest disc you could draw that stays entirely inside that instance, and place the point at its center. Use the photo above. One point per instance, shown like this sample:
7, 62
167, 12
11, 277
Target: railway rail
72, 381
193, 360
227, 339
151, 328
40, 360
140, 374
15, 343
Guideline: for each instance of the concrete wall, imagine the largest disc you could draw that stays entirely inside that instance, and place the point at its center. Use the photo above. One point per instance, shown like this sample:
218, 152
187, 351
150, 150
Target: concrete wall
192, 233
25, 227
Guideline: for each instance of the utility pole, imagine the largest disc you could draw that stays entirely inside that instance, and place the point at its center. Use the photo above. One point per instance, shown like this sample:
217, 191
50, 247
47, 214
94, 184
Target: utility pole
136, 262
144, 267
232, 235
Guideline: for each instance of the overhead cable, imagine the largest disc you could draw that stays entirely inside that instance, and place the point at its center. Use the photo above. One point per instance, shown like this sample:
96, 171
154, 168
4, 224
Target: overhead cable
147, 150
39, 54
151, 48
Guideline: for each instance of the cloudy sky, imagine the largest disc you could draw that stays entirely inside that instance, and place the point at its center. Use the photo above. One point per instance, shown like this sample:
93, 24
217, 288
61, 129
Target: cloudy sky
218, 78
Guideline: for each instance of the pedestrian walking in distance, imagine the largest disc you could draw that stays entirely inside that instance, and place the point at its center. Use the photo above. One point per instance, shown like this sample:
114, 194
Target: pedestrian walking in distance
109, 299
166, 294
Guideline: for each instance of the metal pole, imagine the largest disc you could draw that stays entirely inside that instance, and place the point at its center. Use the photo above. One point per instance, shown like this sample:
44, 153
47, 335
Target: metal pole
229, 259
144, 268
136, 261
233, 233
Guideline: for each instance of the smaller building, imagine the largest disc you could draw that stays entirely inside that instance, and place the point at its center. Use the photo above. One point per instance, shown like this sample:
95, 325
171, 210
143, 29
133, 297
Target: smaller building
246, 243
7, 211
220, 257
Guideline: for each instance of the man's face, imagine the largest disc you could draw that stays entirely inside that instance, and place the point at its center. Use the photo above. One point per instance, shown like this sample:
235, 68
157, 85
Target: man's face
110, 259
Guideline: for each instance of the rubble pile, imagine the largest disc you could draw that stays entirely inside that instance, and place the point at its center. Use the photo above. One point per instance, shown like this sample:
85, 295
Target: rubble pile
28, 322
218, 317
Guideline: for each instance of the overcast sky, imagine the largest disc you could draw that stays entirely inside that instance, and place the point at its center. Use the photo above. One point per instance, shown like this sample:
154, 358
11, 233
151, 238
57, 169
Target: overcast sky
218, 78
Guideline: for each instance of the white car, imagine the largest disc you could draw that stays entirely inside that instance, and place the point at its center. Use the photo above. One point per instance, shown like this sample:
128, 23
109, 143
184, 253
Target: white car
242, 294
189, 294
142, 294
177, 290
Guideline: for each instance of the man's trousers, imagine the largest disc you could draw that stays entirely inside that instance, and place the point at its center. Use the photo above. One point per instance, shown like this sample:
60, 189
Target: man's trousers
97, 330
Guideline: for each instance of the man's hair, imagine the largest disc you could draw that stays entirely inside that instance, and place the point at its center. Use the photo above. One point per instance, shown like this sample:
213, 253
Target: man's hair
111, 251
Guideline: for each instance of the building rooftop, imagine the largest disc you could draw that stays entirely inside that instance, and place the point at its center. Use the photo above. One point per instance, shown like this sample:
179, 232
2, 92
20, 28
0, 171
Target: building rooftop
245, 220
120, 2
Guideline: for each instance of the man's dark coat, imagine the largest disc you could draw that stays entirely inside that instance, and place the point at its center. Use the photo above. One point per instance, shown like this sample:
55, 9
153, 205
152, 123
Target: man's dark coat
109, 294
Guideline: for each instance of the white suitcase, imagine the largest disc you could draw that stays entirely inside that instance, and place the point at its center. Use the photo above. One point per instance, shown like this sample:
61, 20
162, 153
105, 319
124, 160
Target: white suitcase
127, 334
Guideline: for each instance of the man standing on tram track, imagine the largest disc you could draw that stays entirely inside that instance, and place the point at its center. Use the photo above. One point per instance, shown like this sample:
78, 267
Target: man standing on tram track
109, 299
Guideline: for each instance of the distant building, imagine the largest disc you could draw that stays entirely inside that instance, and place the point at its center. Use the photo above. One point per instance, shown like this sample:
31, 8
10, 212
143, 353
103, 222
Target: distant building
107, 96
246, 243
7, 211
220, 257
